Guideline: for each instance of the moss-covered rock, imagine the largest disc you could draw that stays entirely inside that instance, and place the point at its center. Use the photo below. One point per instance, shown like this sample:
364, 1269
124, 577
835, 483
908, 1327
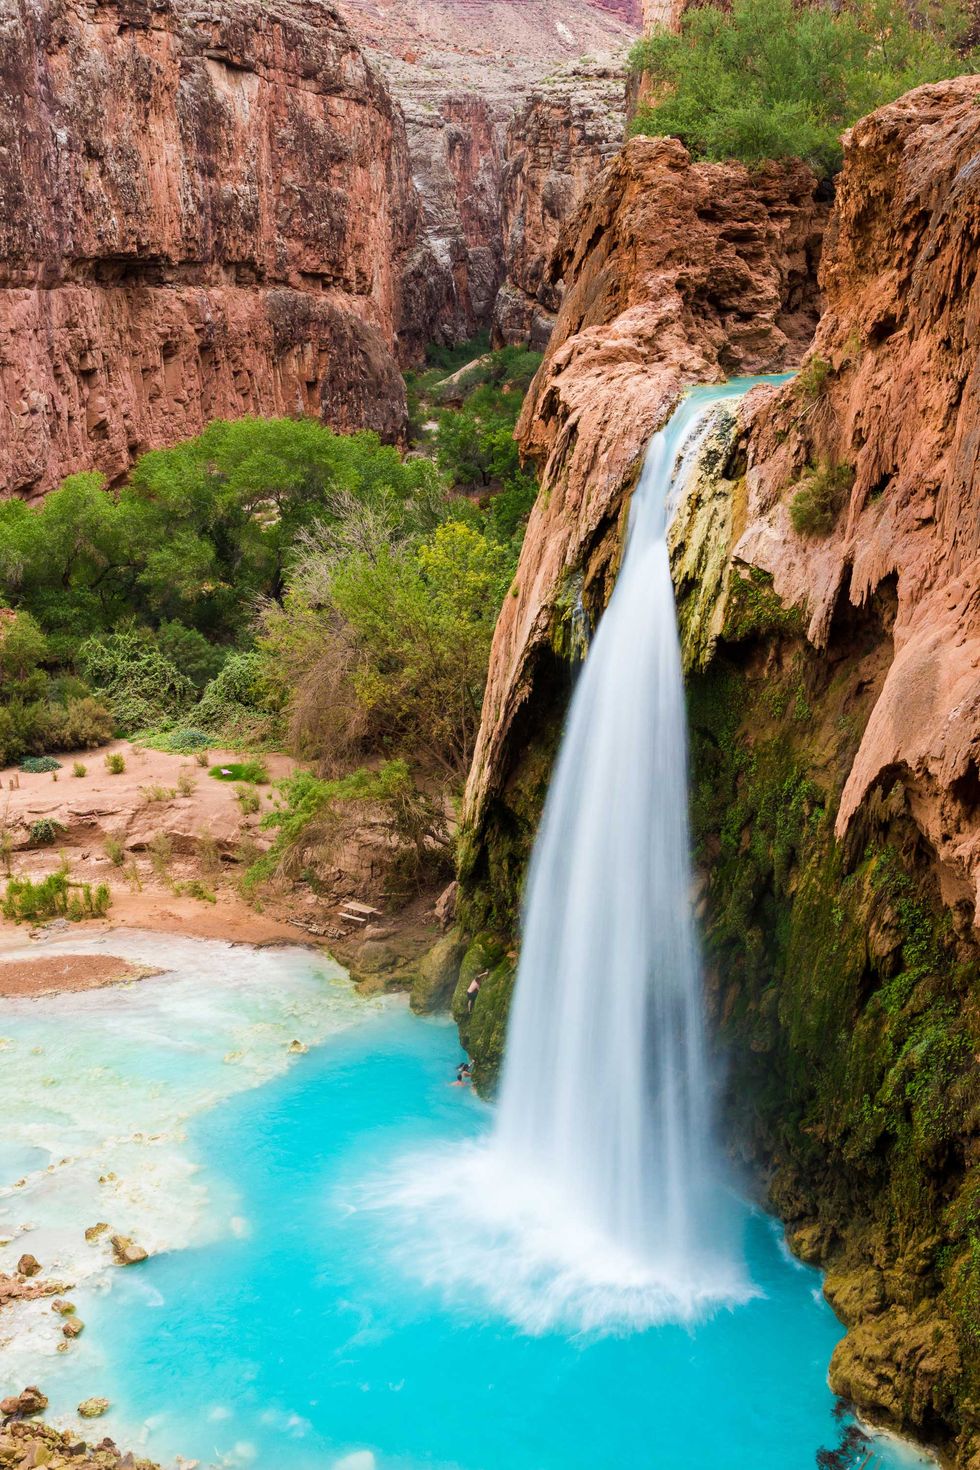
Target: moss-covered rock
438, 972
482, 1028
845, 1004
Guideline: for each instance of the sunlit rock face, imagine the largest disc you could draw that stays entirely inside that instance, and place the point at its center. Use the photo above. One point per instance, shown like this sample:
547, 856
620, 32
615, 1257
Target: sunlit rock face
204, 211
464, 71
891, 392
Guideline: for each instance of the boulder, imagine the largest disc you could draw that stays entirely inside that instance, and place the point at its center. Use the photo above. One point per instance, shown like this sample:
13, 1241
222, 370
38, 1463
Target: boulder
126, 1251
438, 972
28, 1402
93, 1408
28, 1265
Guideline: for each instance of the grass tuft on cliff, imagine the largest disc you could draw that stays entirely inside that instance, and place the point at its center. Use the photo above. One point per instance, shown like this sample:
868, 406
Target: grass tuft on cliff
770, 80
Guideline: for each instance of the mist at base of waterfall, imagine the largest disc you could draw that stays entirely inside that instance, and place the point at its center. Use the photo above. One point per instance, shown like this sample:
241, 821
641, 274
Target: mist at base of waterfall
482, 1230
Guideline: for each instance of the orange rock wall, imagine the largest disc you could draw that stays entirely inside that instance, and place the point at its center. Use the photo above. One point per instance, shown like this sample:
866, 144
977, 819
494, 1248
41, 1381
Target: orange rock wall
901, 408
675, 273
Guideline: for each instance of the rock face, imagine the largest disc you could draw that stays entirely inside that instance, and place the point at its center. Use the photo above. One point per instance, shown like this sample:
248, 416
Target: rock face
894, 399
556, 145
204, 211
675, 273
464, 71
843, 940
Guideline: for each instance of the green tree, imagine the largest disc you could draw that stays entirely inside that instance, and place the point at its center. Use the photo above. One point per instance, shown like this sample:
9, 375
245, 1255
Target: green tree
769, 79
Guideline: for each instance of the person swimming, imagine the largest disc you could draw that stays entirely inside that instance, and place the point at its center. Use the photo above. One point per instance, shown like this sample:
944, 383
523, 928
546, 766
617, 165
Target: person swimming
464, 1074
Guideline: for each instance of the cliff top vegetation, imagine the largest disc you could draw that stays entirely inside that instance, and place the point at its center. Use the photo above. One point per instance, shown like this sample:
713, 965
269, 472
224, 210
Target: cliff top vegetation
768, 80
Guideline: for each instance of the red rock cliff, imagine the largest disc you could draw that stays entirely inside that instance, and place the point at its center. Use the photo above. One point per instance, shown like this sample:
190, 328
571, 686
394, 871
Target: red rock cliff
675, 273
557, 145
895, 401
464, 71
204, 211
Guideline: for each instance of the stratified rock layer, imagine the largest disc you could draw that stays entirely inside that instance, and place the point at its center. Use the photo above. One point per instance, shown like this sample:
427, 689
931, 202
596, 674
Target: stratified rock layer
463, 71
557, 144
675, 273
204, 211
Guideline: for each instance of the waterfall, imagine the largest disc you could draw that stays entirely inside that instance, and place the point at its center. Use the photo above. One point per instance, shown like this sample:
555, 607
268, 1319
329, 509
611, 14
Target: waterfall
606, 1094
599, 1201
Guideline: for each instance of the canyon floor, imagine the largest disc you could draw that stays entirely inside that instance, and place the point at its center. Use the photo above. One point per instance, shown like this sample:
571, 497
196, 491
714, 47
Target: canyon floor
173, 860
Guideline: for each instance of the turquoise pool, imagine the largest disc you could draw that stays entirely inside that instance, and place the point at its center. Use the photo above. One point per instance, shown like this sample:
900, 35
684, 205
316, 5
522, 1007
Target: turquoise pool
303, 1321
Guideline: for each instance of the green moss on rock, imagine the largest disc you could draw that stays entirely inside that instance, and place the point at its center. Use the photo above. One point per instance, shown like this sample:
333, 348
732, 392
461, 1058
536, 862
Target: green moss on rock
482, 1031
844, 1002
438, 972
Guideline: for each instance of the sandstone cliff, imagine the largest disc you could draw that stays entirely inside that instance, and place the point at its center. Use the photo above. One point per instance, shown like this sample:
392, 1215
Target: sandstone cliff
891, 395
556, 146
463, 71
204, 211
836, 734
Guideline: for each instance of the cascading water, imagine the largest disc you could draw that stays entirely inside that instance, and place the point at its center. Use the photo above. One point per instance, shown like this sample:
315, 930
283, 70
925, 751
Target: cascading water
599, 1199
606, 1093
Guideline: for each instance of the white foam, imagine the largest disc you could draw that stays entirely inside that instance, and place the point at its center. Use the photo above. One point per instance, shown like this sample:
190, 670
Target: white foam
472, 1226
97, 1089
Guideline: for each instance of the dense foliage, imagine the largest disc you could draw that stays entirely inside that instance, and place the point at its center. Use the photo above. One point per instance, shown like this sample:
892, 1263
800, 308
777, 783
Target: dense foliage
770, 79
273, 583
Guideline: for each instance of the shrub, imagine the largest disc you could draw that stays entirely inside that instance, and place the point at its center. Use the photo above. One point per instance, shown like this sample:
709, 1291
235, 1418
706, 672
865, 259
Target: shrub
115, 851
818, 502
36, 765
141, 686
54, 896
317, 816
44, 831
194, 888
253, 771
161, 850
769, 79
115, 763
209, 855
154, 794
813, 379
187, 783
248, 800
84, 724
78, 769
187, 742
27, 900
239, 704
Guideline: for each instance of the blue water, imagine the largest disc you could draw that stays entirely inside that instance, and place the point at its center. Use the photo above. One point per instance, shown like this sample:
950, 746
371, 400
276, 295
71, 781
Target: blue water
310, 1341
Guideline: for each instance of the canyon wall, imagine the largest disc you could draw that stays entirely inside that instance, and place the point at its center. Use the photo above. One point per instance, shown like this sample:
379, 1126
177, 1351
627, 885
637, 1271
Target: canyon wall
836, 738
204, 212
827, 572
556, 146
474, 77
